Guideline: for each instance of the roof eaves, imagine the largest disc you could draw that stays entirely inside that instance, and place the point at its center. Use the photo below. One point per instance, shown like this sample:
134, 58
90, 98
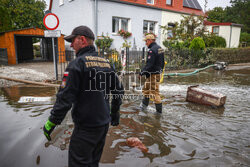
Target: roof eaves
237, 25
19, 29
146, 6
135, 4
222, 24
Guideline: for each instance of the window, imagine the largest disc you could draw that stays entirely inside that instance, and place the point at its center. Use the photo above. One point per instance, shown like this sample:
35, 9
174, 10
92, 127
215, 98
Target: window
215, 30
169, 2
149, 26
170, 30
61, 2
119, 23
150, 1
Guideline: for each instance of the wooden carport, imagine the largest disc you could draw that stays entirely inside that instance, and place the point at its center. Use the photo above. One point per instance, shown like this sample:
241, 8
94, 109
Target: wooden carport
11, 39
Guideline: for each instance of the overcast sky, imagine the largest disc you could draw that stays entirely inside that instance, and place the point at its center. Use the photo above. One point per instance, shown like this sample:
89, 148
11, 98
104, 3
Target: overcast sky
214, 3
211, 3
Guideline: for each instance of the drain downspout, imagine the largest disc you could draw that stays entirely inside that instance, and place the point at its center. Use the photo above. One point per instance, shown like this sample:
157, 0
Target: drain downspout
230, 36
96, 18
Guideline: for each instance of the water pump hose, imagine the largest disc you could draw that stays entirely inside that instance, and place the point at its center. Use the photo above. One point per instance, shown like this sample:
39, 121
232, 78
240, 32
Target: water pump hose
189, 73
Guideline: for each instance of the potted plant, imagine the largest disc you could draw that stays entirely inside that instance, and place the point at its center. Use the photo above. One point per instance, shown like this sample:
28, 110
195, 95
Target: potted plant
124, 34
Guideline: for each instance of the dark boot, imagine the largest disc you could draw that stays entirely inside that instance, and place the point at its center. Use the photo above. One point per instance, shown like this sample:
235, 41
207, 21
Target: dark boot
158, 108
144, 104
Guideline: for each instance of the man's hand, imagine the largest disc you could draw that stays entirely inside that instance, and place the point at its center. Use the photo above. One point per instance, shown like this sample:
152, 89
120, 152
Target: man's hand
48, 128
115, 118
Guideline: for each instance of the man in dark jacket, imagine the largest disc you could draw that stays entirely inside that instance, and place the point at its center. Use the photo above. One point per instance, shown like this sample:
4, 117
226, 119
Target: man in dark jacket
87, 84
152, 70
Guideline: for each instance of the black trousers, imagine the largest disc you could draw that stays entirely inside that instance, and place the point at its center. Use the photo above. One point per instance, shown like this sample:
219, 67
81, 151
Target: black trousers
86, 146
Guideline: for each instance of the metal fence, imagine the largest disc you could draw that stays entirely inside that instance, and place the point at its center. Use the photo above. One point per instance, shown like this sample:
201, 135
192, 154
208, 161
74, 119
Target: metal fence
133, 60
63, 59
128, 60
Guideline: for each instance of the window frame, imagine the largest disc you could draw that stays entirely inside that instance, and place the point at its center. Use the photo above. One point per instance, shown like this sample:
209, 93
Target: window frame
151, 3
216, 27
148, 26
61, 2
170, 31
120, 24
171, 2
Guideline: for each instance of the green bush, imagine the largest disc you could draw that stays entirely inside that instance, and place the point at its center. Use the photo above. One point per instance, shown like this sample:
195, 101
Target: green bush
36, 50
189, 58
207, 59
245, 38
197, 44
104, 43
220, 42
175, 44
36, 47
116, 64
214, 41
209, 41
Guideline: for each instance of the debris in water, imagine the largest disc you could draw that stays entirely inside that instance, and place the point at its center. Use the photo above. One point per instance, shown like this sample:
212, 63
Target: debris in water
136, 142
63, 146
47, 144
201, 96
148, 125
61, 136
26, 99
38, 160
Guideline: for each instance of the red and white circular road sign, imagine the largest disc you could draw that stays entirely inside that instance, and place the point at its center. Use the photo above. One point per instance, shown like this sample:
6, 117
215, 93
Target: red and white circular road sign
51, 21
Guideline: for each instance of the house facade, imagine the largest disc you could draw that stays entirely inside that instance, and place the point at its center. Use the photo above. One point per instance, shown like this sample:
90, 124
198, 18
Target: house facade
134, 19
229, 31
109, 16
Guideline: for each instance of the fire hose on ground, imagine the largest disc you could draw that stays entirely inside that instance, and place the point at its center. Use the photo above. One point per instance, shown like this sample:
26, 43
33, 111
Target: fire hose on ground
216, 66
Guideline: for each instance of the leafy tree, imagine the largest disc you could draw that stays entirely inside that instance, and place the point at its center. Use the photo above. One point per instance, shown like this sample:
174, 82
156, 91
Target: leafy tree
217, 15
245, 38
5, 21
190, 27
17, 14
239, 13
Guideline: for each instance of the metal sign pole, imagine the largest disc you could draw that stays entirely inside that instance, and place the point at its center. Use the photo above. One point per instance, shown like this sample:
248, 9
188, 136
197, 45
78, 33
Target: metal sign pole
54, 59
48, 21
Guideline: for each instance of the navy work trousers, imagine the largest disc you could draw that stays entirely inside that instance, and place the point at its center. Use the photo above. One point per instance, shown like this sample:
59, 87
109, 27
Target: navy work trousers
86, 146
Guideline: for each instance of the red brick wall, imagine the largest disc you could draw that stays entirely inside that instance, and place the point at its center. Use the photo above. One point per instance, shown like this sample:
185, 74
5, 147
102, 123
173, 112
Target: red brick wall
177, 5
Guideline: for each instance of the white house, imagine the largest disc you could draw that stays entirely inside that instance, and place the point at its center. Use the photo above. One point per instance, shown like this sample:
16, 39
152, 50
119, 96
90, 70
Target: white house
109, 16
229, 31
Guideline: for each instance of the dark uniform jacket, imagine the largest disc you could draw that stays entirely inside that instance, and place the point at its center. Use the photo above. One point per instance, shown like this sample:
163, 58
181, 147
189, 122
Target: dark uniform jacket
155, 60
87, 83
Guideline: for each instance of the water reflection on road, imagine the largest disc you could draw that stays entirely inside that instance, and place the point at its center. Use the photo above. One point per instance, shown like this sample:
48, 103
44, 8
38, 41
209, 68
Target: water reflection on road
186, 134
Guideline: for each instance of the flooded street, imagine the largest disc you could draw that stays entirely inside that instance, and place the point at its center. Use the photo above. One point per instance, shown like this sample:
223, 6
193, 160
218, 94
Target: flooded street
186, 134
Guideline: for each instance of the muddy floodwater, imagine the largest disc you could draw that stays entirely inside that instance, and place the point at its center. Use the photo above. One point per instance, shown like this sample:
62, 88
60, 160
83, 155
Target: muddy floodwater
185, 135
